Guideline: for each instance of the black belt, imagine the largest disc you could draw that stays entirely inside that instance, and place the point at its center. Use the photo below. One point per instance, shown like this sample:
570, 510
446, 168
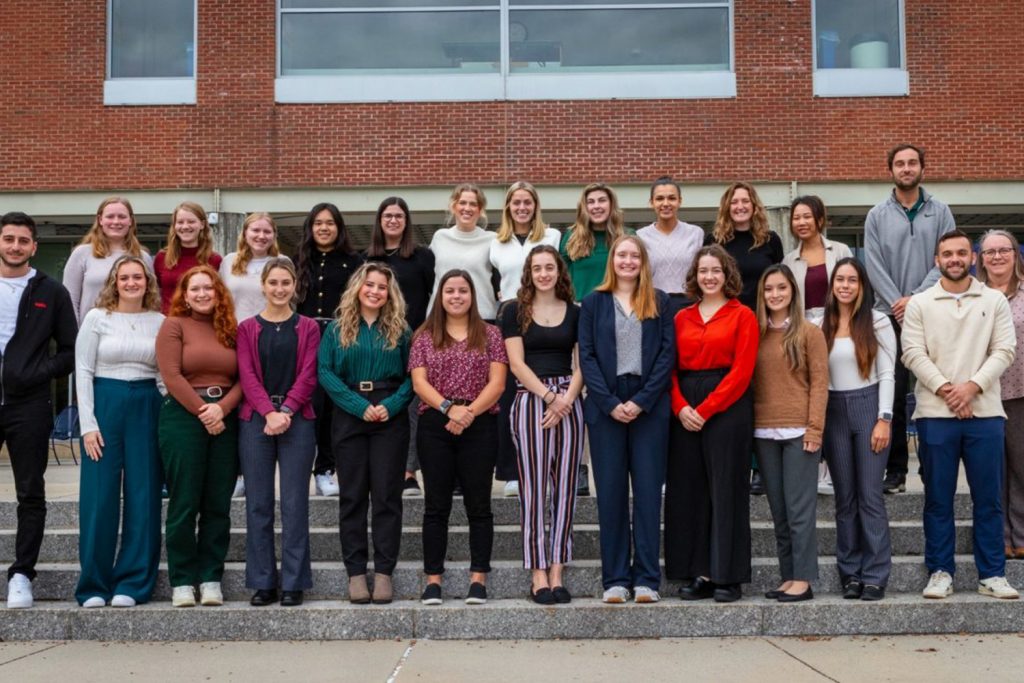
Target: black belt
376, 385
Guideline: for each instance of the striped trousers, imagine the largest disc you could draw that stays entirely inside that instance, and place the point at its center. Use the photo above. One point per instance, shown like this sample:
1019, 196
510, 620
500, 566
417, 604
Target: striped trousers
548, 461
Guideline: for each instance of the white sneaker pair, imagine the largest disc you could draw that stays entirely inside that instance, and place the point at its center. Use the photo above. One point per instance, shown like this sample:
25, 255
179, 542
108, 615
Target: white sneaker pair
210, 595
116, 601
940, 585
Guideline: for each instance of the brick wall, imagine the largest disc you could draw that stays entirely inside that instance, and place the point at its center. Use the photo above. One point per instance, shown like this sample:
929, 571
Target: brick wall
966, 106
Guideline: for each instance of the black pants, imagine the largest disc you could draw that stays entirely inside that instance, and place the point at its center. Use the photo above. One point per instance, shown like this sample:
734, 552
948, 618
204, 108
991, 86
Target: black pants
707, 490
899, 456
25, 427
506, 467
371, 468
444, 460
324, 407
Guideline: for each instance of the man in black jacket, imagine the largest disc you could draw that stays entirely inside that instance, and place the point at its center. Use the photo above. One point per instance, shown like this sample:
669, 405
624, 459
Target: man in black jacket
34, 309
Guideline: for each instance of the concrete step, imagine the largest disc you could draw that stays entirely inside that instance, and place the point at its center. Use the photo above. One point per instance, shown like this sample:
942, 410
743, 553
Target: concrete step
508, 579
324, 511
515, 619
61, 545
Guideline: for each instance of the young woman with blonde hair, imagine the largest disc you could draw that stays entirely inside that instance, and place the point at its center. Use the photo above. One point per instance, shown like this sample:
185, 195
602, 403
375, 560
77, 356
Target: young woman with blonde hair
242, 269
586, 245
189, 244
466, 245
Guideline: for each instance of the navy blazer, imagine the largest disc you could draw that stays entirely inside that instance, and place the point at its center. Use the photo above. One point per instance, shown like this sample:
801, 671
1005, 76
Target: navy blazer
598, 356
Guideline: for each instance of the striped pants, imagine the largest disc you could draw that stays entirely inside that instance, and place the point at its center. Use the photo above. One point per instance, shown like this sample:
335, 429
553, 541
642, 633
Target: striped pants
547, 459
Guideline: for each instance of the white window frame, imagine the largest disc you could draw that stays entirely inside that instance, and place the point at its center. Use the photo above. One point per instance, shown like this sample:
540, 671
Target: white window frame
891, 82
150, 90
503, 85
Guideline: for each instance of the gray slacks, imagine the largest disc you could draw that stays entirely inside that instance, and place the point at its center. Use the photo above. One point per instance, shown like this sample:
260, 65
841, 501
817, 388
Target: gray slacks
791, 483
1013, 481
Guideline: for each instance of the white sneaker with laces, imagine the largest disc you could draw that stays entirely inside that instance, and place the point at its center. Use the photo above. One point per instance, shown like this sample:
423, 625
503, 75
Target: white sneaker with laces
325, 485
210, 594
825, 488
19, 592
616, 595
998, 587
512, 489
940, 585
183, 596
239, 488
94, 601
122, 601
643, 594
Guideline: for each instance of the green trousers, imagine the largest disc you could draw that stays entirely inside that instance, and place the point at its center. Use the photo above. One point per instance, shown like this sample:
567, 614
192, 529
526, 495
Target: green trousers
200, 472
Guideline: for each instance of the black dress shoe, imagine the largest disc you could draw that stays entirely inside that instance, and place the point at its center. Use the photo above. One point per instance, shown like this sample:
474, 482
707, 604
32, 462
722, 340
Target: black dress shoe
262, 598
291, 598
797, 597
756, 484
728, 593
773, 594
542, 596
700, 589
873, 593
852, 589
562, 595
583, 483
894, 482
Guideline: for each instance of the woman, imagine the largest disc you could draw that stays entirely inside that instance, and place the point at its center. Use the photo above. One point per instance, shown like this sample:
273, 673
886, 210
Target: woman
113, 233
1001, 267
392, 242
362, 368
670, 242
119, 405
458, 365
195, 351
326, 261
522, 228
813, 261
189, 244
625, 344
707, 507
467, 246
242, 270
276, 433
540, 330
790, 392
586, 245
861, 361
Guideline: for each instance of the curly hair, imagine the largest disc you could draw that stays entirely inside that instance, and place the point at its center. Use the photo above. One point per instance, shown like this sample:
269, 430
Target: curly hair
98, 241
733, 282
390, 321
109, 297
580, 243
243, 253
224, 322
725, 229
527, 290
172, 252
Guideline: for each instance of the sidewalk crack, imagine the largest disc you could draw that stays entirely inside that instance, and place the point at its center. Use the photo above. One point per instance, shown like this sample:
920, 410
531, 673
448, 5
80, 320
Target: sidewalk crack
401, 662
793, 656
31, 654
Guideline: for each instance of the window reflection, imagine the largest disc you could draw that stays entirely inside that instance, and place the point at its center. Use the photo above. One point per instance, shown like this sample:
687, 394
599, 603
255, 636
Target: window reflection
858, 35
152, 38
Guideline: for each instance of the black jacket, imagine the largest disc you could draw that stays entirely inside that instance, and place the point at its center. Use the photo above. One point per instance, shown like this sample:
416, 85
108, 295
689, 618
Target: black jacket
27, 366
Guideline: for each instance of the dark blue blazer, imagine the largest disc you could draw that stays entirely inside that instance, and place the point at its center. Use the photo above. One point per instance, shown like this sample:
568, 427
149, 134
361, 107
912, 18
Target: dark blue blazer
598, 356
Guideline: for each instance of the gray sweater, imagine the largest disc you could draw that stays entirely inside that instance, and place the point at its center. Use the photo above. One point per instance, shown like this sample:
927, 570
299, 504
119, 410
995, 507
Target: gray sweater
900, 254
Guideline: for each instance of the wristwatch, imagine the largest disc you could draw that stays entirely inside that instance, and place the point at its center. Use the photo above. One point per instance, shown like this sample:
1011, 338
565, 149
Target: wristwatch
885, 417
445, 406
286, 410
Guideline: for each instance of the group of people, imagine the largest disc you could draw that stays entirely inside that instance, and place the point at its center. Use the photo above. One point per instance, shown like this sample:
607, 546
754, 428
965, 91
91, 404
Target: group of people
686, 358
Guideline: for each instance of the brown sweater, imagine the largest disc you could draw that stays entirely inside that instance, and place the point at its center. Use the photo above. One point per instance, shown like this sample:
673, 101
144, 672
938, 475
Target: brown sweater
783, 398
189, 356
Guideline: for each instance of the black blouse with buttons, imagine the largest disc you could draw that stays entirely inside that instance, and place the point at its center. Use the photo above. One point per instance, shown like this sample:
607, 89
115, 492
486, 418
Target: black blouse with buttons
329, 272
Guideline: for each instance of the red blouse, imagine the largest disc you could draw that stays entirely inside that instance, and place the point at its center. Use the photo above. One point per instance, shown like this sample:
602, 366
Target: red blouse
728, 340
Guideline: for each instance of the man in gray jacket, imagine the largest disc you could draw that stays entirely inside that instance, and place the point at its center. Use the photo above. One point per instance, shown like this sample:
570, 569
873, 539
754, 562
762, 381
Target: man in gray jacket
900, 238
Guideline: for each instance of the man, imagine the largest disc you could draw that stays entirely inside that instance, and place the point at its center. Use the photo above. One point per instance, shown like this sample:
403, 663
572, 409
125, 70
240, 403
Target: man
900, 237
34, 309
958, 338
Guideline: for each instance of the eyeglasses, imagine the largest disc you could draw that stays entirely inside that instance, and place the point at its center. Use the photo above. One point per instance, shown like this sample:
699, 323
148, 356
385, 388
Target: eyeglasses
393, 217
1002, 251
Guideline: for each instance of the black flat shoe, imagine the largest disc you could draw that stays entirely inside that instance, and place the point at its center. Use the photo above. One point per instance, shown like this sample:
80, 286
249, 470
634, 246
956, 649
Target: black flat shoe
729, 593
291, 598
756, 484
562, 595
700, 589
852, 589
797, 597
873, 593
262, 598
542, 596
774, 594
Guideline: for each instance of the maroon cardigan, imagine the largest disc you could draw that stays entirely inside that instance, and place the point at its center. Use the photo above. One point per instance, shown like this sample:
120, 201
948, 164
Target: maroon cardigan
250, 372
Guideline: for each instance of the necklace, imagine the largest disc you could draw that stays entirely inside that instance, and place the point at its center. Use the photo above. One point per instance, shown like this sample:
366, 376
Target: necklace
392, 252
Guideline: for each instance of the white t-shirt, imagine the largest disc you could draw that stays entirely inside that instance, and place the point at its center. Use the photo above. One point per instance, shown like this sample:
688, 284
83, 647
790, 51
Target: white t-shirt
11, 291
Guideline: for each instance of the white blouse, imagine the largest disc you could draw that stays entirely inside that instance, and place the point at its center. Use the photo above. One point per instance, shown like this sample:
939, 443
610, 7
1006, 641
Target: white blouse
844, 374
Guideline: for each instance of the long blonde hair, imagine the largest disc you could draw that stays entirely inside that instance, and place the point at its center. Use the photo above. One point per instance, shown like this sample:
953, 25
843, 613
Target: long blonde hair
507, 227
794, 339
98, 241
725, 229
391, 321
644, 299
243, 254
581, 235
109, 298
173, 250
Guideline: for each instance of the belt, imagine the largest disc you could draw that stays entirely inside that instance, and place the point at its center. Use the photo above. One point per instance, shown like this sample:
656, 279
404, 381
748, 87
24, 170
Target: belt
367, 387
277, 399
210, 392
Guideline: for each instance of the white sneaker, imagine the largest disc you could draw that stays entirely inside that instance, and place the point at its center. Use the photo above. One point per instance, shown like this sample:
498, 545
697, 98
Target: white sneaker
183, 596
19, 592
997, 587
825, 488
643, 594
512, 489
239, 488
210, 595
616, 595
940, 585
94, 601
122, 601
325, 485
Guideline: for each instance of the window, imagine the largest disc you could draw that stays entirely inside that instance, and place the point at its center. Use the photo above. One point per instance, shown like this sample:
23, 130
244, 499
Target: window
354, 50
150, 52
858, 48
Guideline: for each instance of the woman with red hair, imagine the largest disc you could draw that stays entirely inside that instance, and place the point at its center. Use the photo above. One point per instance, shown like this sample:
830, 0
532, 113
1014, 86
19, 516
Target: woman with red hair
198, 432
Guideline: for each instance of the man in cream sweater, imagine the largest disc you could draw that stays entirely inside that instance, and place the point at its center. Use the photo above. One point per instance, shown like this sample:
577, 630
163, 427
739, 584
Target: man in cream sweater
958, 338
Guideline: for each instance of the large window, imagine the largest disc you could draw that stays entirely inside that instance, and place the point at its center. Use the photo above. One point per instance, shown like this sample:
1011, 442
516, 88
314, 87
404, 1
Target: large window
150, 52
348, 50
858, 48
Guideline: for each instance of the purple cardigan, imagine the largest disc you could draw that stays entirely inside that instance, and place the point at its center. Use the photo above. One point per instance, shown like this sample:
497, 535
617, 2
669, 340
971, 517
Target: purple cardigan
250, 372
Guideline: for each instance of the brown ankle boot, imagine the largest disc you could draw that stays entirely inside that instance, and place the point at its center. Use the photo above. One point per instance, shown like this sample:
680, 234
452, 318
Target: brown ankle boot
358, 593
382, 591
